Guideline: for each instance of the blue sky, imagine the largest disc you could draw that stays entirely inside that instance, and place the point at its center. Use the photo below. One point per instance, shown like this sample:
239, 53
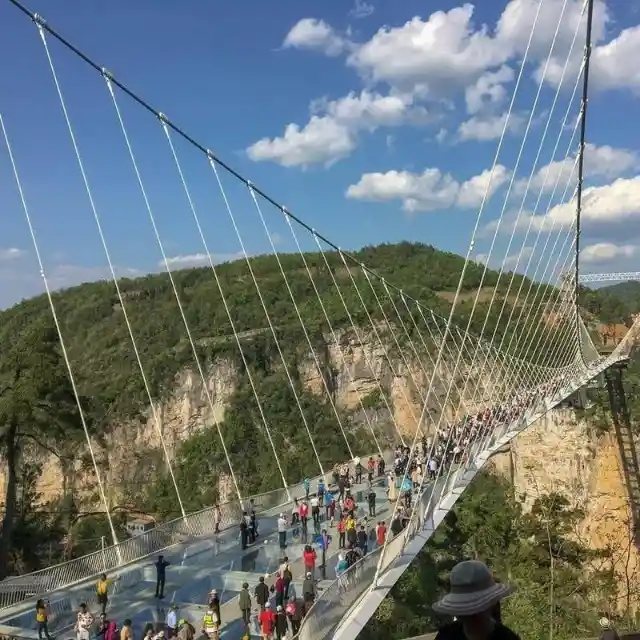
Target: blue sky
398, 107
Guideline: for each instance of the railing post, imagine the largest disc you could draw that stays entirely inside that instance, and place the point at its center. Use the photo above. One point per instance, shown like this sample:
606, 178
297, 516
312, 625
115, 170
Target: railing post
104, 557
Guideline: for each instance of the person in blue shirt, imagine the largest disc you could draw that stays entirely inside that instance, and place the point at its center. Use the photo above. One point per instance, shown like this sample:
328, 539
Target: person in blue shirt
306, 484
323, 541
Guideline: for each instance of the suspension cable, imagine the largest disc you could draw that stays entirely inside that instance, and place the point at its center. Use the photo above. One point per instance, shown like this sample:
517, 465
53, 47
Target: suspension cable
103, 240
213, 163
63, 347
183, 316
225, 304
334, 336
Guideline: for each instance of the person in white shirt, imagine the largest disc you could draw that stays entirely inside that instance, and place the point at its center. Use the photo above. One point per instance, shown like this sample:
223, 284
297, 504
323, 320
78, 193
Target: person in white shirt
172, 621
84, 622
282, 531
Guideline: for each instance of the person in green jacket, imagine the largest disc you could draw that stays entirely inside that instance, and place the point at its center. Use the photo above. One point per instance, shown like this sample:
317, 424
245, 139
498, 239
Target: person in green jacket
244, 603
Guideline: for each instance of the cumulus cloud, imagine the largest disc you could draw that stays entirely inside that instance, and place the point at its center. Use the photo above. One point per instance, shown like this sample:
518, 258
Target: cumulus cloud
600, 162
436, 59
488, 89
428, 191
483, 128
316, 35
447, 50
611, 204
606, 252
333, 129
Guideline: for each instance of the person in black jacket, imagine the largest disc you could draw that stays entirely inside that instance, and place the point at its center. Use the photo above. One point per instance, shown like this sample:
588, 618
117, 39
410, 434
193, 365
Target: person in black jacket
261, 593
473, 600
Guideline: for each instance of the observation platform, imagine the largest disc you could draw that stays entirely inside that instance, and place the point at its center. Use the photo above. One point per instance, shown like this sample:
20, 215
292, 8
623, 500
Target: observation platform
197, 567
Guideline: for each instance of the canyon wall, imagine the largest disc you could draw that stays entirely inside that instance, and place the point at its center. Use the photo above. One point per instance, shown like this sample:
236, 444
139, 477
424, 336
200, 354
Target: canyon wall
129, 453
562, 454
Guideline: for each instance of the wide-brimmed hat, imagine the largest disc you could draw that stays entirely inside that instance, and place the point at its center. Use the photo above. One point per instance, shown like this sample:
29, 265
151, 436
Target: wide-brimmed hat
472, 591
604, 623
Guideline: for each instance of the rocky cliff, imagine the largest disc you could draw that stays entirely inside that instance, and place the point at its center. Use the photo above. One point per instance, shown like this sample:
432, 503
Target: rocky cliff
562, 454
129, 452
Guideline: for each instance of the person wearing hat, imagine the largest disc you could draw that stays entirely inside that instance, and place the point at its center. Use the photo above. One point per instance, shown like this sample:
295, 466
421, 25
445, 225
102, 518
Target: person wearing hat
608, 632
473, 598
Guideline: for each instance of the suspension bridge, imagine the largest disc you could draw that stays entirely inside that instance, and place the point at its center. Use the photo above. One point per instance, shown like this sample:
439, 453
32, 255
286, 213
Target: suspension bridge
471, 378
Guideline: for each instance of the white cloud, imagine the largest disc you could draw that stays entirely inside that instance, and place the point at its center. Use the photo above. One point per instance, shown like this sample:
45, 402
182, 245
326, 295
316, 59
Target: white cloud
447, 51
199, 260
488, 90
435, 58
487, 127
473, 190
11, 254
332, 132
313, 34
428, 191
606, 252
612, 63
361, 9
610, 204
600, 162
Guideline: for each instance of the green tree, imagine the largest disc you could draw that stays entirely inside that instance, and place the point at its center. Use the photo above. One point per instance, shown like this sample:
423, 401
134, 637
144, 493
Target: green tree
37, 404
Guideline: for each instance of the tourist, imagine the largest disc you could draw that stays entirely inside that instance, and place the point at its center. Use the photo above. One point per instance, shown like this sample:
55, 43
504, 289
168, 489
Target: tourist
42, 619
472, 599
84, 622
161, 575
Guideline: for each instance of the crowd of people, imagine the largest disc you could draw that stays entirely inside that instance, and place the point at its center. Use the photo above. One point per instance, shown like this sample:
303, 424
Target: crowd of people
273, 608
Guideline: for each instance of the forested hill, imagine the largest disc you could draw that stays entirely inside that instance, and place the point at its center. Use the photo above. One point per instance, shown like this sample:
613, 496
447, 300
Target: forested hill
613, 304
38, 414
100, 347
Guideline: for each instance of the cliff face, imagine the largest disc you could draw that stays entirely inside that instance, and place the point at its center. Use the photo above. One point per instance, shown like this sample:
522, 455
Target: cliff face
131, 451
562, 454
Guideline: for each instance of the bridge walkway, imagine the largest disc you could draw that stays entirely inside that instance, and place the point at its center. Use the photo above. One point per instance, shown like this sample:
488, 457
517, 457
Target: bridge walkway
196, 568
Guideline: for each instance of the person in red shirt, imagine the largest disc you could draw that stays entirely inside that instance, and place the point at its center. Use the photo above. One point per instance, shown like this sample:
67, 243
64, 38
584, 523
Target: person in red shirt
341, 533
309, 557
349, 504
280, 588
381, 533
267, 622
371, 469
304, 514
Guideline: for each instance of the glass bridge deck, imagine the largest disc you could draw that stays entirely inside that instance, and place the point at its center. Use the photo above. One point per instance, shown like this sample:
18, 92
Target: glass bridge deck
196, 568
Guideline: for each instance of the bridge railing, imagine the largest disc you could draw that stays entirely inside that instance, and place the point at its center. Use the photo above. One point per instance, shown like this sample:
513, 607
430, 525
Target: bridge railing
14, 590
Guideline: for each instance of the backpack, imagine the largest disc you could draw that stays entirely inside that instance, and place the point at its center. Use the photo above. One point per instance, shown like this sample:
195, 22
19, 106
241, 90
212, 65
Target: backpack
286, 574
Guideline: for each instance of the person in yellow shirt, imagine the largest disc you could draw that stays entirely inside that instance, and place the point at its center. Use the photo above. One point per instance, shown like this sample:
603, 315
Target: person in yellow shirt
42, 619
211, 624
102, 591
